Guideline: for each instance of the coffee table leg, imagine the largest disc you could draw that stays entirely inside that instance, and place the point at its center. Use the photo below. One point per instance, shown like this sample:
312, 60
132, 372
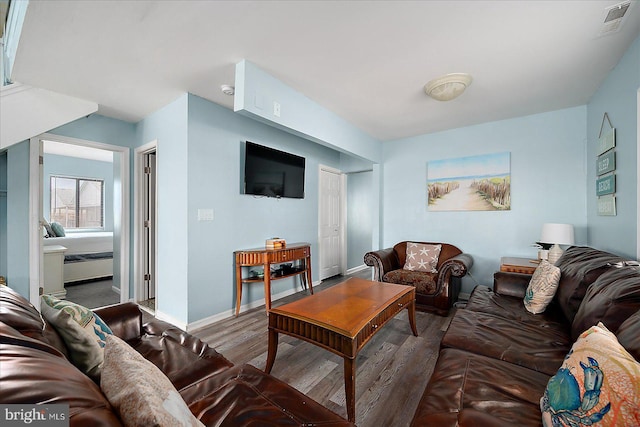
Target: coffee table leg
350, 387
273, 349
412, 317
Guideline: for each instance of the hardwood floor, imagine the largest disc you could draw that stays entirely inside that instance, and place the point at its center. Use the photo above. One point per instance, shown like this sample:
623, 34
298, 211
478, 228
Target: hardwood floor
392, 369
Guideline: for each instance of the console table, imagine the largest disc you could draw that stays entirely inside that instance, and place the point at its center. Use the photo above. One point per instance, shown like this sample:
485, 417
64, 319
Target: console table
300, 253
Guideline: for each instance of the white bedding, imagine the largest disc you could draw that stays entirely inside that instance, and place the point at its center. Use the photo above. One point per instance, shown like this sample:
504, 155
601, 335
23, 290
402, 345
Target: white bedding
84, 243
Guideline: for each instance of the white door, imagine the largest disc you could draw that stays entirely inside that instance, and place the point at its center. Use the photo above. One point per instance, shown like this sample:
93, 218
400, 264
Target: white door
149, 226
330, 223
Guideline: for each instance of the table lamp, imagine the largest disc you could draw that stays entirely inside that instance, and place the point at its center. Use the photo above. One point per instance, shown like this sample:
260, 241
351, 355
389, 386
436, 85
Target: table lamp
556, 234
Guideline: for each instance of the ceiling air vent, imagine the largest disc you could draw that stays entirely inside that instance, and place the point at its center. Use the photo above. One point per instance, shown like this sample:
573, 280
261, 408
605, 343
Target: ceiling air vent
614, 18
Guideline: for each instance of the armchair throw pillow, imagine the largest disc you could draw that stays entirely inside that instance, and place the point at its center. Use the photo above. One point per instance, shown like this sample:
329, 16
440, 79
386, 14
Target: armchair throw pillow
83, 332
597, 384
422, 257
542, 287
140, 392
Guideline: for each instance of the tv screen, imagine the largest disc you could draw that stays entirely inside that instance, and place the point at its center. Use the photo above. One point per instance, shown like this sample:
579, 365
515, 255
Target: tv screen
273, 173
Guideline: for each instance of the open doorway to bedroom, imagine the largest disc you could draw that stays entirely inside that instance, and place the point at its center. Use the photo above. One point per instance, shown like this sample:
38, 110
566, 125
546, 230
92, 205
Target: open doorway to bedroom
81, 193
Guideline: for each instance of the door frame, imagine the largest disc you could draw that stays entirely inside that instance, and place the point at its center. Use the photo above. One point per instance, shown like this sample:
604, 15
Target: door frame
343, 218
36, 185
138, 214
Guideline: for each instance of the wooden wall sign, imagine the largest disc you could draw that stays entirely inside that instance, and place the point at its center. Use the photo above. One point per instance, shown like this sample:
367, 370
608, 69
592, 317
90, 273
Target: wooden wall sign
606, 185
606, 162
605, 170
607, 205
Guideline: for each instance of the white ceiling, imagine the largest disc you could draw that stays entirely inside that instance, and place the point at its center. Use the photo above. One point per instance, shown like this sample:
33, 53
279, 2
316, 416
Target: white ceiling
366, 61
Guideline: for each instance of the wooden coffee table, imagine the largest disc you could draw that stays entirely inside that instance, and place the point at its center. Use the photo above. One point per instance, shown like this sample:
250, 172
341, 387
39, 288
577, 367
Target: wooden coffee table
342, 319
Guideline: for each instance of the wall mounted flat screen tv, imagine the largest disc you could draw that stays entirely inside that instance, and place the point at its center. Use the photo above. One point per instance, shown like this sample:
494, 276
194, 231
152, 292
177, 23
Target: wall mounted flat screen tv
273, 173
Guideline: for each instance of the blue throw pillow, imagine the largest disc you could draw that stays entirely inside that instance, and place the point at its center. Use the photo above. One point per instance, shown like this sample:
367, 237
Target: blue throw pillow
58, 229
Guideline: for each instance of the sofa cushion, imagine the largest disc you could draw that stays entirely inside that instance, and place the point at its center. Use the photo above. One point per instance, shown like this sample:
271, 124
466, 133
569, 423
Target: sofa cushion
83, 331
468, 389
244, 395
484, 300
597, 383
422, 257
139, 391
21, 315
182, 357
611, 299
629, 335
425, 283
32, 372
538, 347
542, 287
580, 267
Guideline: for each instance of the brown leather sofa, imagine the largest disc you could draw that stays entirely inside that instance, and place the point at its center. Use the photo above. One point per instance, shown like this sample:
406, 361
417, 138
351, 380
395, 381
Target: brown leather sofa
34, 370
496, 358
435, 292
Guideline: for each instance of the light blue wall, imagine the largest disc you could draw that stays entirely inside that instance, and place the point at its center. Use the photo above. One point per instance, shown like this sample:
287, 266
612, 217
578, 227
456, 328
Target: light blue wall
256, 92
240, 221
79, 168
99, 128
617, 96
3, 214
169, 127
547, 185
359, 217
18, 217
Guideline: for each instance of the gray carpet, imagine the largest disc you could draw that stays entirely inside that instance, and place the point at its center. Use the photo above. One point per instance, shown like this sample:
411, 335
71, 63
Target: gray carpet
93, 294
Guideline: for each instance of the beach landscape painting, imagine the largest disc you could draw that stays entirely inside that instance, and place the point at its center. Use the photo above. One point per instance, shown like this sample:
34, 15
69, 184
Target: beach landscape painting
474, 183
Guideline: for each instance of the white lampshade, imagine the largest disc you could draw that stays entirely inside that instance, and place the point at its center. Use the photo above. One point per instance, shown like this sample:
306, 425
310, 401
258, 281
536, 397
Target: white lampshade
556, 234
561, 234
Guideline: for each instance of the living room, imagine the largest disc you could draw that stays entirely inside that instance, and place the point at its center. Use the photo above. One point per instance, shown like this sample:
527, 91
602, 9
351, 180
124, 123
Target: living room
553, 152
201, 142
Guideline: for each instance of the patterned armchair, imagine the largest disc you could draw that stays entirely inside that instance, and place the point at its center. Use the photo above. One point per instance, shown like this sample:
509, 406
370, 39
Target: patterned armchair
435, 292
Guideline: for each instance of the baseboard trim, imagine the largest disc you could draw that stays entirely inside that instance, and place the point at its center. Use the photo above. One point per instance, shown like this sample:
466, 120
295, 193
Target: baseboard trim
170, 319
357, 269
208, 321
463, 296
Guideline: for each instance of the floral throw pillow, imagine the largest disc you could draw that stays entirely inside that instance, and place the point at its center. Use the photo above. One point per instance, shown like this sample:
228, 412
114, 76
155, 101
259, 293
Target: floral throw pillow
83, 332
139, 391
542, 287
422, 257
597, 384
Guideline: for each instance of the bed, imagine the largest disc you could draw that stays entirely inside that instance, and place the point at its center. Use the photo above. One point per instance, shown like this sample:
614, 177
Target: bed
89, 255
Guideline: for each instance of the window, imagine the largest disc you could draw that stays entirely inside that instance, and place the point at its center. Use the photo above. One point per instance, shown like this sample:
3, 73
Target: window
77, 202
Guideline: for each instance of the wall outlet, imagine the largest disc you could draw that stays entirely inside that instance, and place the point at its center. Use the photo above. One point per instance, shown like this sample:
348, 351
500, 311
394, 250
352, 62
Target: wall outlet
276, 109
205, 214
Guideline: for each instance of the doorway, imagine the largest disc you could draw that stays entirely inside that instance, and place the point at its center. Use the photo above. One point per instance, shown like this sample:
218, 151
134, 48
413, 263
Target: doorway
331, 222
110, 264
146, 230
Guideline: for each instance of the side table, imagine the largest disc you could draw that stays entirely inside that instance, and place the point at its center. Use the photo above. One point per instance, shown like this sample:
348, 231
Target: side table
300, 253
518, 265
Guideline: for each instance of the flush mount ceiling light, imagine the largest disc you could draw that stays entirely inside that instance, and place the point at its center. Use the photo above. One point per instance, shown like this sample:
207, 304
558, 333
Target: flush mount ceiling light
227, 89
448, 87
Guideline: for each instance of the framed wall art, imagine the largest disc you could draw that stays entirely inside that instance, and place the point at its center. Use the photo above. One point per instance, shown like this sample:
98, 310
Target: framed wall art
474, 183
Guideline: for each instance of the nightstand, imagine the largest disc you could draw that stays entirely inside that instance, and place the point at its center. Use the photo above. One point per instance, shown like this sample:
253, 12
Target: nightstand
54, 271
518, 265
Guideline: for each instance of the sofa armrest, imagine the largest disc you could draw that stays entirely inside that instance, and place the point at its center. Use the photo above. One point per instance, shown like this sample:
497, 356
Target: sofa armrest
382, 261
458, 266
511, 284
125, 320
